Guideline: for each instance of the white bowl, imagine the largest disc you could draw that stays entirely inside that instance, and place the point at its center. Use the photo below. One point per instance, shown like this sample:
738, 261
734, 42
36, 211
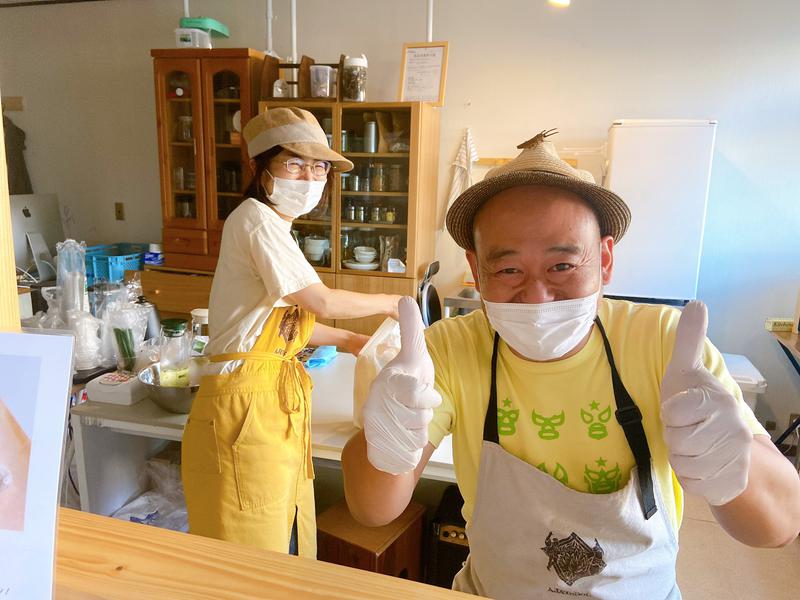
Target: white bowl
365, 254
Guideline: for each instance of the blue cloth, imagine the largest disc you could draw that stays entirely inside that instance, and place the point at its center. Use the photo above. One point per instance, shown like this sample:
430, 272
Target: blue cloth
321, 356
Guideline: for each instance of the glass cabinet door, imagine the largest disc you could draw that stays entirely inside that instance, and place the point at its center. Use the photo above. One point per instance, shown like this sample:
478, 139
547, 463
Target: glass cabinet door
374, 195
181, 130
228, 100
314, 232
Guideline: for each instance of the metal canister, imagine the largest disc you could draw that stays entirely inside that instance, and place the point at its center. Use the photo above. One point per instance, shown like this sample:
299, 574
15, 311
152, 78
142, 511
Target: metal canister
355, 182
153, 320
345, 141
370, 136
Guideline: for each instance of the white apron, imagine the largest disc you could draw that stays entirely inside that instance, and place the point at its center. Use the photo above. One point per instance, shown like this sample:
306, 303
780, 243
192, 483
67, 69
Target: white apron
533, 537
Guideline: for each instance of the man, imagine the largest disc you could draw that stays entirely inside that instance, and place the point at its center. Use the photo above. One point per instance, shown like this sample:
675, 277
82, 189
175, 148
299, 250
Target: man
578, 422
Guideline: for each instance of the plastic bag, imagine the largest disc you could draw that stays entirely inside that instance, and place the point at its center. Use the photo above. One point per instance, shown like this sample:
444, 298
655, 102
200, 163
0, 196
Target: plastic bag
128, 324
87, 340
71, 276
381, 348
164, 505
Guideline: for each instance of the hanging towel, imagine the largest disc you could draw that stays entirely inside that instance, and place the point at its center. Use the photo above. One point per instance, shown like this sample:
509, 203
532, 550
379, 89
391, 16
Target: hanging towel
19, 182
462, 168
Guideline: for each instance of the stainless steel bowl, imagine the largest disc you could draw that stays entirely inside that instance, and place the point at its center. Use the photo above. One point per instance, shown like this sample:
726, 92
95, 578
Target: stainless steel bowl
172, 399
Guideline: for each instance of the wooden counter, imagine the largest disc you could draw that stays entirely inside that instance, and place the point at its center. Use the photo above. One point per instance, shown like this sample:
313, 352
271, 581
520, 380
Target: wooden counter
103, 558
790, 341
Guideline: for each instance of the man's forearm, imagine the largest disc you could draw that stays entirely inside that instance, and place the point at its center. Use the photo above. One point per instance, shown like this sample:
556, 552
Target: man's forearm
375, 498
767, 513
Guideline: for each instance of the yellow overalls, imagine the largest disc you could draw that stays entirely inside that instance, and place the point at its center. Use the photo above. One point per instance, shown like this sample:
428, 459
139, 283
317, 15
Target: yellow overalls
246, 453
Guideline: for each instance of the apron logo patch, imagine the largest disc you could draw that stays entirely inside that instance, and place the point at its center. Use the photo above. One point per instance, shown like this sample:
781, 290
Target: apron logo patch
548, 426
288, 328
572, 558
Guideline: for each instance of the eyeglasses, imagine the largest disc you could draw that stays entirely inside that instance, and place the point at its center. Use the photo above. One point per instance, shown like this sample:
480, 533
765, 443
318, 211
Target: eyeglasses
295, 166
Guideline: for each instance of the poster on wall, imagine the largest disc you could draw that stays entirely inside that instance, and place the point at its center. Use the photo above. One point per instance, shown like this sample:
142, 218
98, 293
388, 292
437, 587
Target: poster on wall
423, 72
35, 377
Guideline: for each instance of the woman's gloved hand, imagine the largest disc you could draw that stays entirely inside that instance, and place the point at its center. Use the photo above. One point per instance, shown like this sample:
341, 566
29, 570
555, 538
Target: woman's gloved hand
401, 400
708, 441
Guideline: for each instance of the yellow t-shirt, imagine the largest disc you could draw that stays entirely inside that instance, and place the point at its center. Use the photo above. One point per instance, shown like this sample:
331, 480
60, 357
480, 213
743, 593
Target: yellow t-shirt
559, 416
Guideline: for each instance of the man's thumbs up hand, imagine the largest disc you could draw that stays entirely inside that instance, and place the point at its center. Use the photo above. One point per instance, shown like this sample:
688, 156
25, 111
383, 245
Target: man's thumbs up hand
401, 400
708, 441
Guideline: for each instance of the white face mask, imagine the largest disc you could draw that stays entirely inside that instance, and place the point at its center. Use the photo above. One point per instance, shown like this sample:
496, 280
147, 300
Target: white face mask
295, 197
543, 331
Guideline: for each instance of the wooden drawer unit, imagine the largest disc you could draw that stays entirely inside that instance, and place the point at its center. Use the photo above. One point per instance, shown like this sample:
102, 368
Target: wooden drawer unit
214, 242
185, 241
394, 549
176, 293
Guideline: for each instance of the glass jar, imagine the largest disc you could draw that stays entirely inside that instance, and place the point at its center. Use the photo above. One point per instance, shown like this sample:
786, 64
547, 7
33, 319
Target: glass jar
349, 211
360, 213
346, 243
174, 364
354, 79
375, 216
378, 178
395, 179
391, 215
184, 131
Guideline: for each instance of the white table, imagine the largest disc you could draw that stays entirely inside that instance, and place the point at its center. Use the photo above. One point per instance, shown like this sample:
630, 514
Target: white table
113, 442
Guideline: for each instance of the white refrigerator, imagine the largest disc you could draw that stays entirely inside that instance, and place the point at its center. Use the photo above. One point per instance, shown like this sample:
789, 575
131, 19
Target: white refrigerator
661, 169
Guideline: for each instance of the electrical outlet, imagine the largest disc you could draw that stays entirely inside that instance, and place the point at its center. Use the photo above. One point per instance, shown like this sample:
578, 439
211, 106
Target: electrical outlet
119, 211
770, 425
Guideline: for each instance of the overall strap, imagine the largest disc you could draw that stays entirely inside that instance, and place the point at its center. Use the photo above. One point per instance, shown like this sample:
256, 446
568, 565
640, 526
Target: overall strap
490, 421
630, 419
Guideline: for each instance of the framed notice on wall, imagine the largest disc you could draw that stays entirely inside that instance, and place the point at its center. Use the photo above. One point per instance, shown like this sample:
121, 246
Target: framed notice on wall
423, 72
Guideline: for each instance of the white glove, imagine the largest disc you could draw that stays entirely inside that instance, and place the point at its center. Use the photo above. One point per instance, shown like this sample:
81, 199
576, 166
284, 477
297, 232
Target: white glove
401, 400
708, 441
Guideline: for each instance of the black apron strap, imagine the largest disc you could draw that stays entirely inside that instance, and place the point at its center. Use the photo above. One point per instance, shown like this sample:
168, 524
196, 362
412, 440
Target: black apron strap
630, 419
490, 420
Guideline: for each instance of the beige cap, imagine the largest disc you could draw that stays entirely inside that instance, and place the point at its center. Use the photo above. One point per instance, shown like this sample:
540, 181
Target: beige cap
294, 129
537, 164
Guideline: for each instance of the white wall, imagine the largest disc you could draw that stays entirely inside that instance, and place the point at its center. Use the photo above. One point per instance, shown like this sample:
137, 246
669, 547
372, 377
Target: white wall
516, 67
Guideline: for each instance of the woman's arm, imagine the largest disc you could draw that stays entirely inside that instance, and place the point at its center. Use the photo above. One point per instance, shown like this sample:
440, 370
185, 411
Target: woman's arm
341, 338
329, 303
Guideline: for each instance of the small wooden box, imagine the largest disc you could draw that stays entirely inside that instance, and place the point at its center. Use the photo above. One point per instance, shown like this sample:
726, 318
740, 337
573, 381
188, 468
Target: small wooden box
394, 549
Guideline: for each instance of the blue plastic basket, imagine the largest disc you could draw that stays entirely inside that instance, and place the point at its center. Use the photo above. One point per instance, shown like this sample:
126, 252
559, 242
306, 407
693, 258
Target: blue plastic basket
109, 262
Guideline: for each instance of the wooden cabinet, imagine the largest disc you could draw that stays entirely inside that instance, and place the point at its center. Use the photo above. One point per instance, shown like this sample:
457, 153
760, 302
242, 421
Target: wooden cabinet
202, 161
387, 202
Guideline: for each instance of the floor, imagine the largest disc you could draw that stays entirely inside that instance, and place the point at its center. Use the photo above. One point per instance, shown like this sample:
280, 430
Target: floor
713, 565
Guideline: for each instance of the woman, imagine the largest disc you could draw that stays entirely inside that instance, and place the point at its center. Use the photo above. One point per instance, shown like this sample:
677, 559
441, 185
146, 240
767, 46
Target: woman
246, 455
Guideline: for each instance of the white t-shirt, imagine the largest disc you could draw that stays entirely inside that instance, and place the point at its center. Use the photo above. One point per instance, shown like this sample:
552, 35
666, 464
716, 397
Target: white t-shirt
259, 263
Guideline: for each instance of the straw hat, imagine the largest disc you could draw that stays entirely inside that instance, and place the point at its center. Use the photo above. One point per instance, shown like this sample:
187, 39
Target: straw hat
294, 129
537, 164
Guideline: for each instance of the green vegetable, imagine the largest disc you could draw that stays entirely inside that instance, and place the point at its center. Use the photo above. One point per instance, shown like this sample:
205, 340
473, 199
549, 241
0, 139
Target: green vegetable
125, 348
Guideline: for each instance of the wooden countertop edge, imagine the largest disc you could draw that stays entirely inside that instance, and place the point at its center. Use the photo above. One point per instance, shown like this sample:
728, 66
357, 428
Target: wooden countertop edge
101, 557
790, 340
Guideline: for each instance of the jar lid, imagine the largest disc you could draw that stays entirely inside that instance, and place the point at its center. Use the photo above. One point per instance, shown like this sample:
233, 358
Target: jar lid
200, 315
185, 118
346, 229
355, 61
174, 327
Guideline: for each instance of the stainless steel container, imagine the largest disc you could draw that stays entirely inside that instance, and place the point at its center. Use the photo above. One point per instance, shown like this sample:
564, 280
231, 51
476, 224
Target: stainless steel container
370, 136
172, 399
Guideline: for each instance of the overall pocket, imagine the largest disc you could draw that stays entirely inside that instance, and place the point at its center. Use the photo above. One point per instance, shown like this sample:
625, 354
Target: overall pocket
200, 448
266, 455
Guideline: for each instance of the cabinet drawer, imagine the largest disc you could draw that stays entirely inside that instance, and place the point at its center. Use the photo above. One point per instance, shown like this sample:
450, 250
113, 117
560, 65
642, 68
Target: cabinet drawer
214, 242
176, 293
185, 241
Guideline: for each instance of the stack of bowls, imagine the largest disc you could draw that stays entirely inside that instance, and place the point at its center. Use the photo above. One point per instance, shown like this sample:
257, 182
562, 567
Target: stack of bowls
365, 254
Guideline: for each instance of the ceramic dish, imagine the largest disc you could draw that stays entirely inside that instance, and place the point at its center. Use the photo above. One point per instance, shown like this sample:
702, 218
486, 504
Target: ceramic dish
358, 266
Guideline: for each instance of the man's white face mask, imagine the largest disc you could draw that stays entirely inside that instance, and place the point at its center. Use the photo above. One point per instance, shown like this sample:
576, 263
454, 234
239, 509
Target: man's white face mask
295, 197
543, 331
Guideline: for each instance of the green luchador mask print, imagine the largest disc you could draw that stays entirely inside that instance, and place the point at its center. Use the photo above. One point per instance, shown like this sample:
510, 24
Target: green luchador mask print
596, 422
602, 481
507, 421
548, 426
